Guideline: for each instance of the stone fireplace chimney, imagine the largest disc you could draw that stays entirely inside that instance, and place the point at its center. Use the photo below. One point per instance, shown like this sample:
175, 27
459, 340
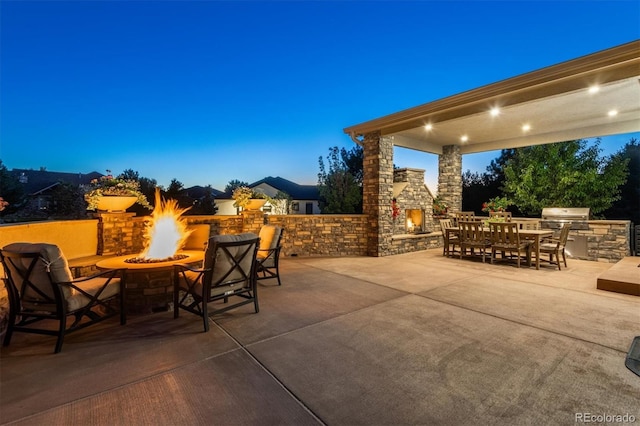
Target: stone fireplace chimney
414, 200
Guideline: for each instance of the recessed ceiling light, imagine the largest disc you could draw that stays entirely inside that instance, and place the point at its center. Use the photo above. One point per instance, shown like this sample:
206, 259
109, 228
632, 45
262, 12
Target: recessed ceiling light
594, 89
495, 111
464, 138
526, 127
428, 127
613, 113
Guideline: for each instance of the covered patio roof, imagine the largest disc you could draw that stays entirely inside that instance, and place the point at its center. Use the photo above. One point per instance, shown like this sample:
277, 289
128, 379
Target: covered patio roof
591, 96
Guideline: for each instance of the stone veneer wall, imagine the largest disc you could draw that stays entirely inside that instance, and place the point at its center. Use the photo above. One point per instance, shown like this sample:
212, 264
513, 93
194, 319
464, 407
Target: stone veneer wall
607, 240
119, 234
378, 192
410, 243
414, 195
304, 235
450, 177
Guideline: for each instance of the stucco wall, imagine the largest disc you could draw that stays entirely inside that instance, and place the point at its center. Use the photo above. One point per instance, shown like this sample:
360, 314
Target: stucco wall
76, 238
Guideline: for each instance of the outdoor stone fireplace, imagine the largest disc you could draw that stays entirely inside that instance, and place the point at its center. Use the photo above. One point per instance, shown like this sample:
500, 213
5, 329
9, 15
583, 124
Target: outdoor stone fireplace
414, 202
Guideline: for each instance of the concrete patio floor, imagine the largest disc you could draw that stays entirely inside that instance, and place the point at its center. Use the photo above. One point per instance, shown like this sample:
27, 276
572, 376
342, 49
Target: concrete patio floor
407, 339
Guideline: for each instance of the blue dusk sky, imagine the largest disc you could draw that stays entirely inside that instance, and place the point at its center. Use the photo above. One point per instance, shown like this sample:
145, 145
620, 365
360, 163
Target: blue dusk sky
210, 91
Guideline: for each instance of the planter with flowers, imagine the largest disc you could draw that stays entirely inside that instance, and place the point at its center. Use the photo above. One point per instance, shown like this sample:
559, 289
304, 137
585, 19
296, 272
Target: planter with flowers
440, 208
248, 199
496, 204
114, 194
395, 212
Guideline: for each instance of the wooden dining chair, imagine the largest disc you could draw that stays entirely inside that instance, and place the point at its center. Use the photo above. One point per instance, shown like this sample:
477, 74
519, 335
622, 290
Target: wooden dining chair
506, 216
463, 217
556, 246
530, 225
450, 241
472, 236
505, 238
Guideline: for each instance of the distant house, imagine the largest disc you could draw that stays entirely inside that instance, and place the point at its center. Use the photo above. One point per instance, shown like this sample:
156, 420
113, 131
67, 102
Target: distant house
199, 192
304, 198
38, 184
198, 195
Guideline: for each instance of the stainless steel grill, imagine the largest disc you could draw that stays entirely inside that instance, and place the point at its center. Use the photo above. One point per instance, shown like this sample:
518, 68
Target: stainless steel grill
555, 217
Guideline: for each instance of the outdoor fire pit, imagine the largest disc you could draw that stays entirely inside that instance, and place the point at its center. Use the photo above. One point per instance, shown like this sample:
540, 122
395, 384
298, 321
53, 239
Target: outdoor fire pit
150, 284
149, 277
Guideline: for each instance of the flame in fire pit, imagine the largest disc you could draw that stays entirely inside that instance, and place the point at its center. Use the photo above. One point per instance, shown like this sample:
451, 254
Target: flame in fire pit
166, 232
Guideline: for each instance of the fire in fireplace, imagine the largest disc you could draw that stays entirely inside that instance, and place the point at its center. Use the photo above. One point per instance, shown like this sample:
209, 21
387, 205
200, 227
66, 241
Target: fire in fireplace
165, 232
415, 220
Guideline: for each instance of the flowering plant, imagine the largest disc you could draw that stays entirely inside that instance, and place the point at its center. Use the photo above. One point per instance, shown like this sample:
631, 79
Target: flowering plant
113, 186
3, 204
395, 210
243, 195
439, 206
496, 204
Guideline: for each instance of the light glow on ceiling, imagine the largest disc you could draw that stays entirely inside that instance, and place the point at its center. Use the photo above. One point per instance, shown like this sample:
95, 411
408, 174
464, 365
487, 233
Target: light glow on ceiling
495, 111
594, 89
464, 138
428, 127
526, 127
613, 113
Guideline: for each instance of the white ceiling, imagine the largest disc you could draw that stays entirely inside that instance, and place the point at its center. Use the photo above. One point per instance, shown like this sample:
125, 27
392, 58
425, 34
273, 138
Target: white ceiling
555, 102
574, 115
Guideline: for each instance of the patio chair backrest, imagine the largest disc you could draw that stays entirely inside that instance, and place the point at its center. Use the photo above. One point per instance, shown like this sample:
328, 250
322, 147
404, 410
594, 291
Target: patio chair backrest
529, 225
198, 237
465, 216
564, 234
471, 231
445, 223
503, 215
34, 268
504, 233
230, 259
269, 237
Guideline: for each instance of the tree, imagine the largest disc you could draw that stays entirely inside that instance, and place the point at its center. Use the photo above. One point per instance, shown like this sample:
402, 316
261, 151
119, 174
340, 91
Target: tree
628, 207
340, 187
564, 174
176, 192
205, 204
147, 187
67, 202
11, 190
281, 203
233, 185
130, 174
478, 188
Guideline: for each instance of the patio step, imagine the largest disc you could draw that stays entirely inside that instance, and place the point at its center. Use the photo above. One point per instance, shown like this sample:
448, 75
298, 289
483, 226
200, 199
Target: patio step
623, 277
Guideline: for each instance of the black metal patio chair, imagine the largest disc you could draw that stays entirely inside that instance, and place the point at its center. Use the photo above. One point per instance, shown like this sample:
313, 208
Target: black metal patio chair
41, 287
268, 257
229, 270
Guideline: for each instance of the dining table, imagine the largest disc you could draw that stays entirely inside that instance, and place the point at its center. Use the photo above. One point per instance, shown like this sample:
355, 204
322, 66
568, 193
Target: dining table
534, 235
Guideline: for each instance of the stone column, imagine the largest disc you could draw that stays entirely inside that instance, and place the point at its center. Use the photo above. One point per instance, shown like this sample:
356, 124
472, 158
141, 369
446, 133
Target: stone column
118, 234
252, 220
450, 177
378, 192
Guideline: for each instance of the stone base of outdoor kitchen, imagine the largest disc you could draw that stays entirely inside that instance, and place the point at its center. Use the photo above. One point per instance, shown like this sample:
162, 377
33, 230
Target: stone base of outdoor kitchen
623, 277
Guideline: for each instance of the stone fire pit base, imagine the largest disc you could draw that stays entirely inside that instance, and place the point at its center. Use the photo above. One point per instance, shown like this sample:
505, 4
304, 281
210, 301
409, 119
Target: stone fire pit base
149, 285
